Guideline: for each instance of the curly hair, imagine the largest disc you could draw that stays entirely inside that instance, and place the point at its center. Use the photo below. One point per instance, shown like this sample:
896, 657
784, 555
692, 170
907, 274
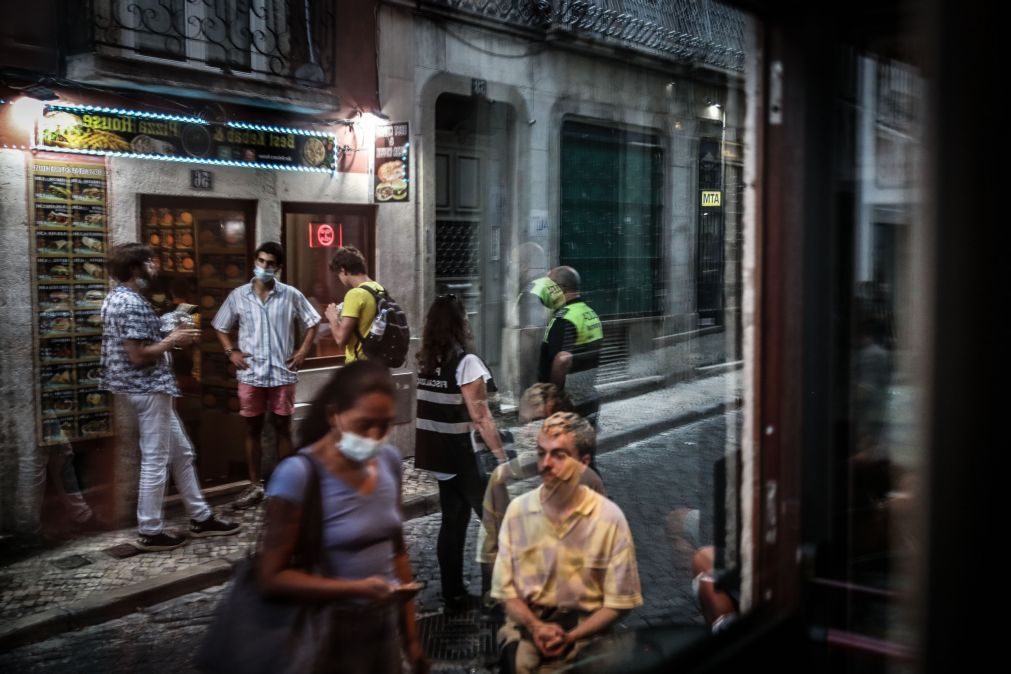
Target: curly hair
126, 259
570, 422
350, 259
446, 332
271, 248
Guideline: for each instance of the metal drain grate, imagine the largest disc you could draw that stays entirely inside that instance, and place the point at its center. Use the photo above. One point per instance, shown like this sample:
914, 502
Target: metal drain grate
71, 562
466, 636
122, 551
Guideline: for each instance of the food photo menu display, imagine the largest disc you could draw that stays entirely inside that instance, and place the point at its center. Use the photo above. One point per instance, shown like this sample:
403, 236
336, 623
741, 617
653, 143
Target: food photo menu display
69, 243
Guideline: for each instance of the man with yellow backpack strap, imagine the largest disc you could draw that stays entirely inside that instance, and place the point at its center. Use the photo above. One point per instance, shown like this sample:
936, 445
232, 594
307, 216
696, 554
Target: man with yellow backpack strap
570, 352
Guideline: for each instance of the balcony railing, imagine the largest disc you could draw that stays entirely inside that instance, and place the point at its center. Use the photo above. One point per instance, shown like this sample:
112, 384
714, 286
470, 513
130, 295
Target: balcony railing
700, 31
290, 40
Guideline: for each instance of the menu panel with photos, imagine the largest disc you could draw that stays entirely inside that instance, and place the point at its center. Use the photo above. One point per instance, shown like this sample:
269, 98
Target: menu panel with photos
69, 240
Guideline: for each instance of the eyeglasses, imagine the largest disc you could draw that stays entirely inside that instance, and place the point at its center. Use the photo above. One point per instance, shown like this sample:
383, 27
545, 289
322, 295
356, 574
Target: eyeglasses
447, 296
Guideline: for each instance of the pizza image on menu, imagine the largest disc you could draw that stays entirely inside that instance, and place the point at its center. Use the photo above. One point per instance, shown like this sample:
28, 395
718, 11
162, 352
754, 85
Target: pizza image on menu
314, 151
392, 176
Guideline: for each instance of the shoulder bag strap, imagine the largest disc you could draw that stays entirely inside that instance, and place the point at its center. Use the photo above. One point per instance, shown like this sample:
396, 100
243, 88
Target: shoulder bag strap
375, 300
309, 549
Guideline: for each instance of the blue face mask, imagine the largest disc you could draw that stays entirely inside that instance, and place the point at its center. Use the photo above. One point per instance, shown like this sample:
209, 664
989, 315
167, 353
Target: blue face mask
264, 275
356, 447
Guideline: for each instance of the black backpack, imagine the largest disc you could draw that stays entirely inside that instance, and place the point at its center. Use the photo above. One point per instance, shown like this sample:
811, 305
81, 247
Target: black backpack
389, 346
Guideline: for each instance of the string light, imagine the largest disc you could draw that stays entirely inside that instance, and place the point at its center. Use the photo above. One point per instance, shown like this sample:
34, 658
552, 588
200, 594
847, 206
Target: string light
280, 129
74, 107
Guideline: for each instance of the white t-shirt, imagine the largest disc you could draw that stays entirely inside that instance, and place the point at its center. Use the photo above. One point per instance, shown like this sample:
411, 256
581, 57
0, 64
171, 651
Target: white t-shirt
469, 369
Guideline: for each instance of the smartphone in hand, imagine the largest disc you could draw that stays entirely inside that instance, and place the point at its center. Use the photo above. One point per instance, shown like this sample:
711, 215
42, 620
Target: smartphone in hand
407, 590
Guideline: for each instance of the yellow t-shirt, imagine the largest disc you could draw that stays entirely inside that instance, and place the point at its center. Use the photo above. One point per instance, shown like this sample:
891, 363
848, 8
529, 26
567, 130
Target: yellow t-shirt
359, 303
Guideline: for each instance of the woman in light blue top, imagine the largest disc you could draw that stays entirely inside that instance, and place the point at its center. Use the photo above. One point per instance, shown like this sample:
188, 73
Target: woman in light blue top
366, 575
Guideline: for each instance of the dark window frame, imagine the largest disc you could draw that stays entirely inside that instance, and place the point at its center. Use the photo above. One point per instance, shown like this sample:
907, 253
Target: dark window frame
369, 211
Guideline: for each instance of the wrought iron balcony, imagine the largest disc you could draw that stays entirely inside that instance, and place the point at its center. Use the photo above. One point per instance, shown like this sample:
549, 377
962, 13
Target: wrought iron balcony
288, 40
702, 31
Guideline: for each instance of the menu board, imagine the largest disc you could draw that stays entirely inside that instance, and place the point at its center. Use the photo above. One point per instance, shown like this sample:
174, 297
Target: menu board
392, 163
69, 246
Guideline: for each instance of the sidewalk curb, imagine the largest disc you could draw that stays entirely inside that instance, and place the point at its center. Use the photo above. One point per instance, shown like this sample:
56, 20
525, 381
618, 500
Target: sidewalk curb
123, 601
611, 441
113, 604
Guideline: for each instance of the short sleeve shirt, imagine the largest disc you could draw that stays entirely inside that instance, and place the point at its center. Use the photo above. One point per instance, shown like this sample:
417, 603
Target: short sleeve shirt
585, 562
266, 335
359, 303
360, 531
127, 315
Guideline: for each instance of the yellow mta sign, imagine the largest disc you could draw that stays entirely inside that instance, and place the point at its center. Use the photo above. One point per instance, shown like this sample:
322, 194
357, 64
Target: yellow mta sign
710, 199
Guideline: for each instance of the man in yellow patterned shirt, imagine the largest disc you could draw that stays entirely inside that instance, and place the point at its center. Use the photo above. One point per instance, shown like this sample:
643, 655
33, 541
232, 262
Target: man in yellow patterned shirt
566, 568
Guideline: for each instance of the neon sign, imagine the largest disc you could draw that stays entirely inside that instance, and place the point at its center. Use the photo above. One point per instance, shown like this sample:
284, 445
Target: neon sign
326, 235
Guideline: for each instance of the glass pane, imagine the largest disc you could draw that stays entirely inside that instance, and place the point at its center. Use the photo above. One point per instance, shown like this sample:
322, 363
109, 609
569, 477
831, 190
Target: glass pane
203, 253
628, 189
310, 241
884, 459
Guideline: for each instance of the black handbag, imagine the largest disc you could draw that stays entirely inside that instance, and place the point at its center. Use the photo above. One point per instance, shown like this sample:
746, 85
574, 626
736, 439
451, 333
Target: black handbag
251, 633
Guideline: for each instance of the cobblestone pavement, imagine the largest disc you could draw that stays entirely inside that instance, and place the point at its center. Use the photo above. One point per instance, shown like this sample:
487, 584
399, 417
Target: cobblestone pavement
42, 580
647, 479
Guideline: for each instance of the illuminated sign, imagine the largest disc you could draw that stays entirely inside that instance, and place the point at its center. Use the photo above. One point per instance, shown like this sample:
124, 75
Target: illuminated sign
711, 199
325, 235
92, 130
392, 163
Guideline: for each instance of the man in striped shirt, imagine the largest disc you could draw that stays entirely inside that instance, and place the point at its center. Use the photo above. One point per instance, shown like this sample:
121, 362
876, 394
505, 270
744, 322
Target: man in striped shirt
265, 310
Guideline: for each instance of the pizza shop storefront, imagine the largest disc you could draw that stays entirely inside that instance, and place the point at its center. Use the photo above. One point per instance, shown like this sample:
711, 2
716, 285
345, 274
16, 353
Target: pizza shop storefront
202, 195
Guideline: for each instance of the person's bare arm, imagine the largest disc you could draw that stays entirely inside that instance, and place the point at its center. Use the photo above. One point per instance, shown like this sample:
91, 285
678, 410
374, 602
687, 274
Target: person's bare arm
296, 359
475, 394
344, 329
598, 621
408, 624
281, 524
560, 368
548, 637
237, 358
141, 353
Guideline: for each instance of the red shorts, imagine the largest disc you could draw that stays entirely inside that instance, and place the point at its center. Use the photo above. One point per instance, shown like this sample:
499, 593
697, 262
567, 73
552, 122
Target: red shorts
253, 400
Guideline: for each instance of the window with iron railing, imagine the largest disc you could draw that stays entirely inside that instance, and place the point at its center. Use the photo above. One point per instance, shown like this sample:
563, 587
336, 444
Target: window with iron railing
292, 40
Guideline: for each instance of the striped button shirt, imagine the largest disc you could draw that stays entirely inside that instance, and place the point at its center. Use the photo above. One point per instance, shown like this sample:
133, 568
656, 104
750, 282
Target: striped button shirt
266, 330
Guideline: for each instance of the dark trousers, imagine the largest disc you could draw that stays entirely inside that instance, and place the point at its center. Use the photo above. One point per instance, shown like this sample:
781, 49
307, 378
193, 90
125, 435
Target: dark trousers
459, 496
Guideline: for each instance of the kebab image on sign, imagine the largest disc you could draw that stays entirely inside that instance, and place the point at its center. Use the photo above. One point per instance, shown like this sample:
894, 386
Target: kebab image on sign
392, 177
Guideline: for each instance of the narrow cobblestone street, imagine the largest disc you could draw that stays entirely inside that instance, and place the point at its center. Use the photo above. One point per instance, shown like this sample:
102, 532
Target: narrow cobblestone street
647, 479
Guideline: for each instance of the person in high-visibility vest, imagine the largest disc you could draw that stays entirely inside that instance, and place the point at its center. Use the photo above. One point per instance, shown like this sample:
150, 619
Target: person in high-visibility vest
570, 352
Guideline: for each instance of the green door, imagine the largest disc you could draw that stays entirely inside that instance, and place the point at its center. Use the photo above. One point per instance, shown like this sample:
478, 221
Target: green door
610, 222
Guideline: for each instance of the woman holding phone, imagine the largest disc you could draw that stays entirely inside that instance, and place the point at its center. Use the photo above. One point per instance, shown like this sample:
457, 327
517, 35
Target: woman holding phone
366, 577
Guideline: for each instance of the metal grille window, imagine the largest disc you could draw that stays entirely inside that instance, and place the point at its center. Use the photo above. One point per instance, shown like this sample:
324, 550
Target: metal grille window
292, 39
611, 214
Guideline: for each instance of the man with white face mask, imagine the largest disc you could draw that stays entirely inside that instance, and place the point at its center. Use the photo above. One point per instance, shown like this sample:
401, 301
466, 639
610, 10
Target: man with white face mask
266, 361
566, 568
